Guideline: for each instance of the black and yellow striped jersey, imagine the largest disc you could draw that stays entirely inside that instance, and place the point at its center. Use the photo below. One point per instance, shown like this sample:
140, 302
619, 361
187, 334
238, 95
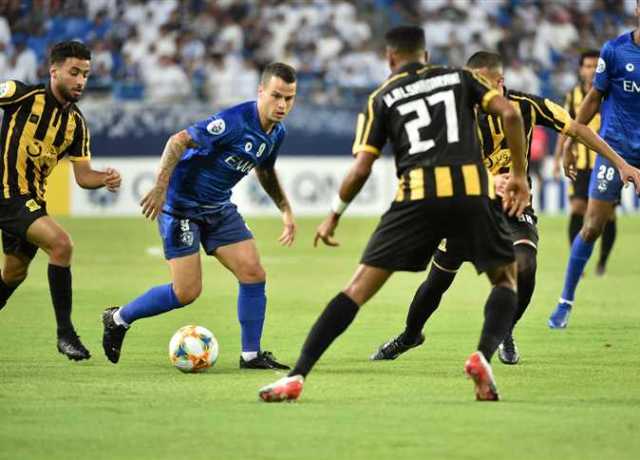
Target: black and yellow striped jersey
535, 111
37, 131
427, 114
585, 157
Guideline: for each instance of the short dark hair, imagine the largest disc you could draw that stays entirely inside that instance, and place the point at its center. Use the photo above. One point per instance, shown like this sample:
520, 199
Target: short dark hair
278, 69
69, 49
592, 53
406, 39
486, 59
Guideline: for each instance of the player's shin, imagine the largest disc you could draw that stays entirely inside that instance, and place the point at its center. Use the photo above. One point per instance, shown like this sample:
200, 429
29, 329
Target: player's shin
6, 291
426, 301
156, 300
60, 288
252, 303
334, 320
526, 257
575, 224
498, 318
580, 252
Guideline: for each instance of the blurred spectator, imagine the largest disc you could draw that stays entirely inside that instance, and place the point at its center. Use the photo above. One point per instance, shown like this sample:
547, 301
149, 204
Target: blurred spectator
166, 82
23, 65
334, 44
521, 77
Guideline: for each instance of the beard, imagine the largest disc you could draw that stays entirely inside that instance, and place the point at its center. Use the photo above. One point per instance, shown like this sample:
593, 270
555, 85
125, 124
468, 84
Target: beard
66, 94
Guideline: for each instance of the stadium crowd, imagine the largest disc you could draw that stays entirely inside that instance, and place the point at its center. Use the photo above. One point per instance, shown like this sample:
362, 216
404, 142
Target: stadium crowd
169, 51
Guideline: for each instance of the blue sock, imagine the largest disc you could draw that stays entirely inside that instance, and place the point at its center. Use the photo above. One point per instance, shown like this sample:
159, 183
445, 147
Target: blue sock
580, 253
156, 300
252, 303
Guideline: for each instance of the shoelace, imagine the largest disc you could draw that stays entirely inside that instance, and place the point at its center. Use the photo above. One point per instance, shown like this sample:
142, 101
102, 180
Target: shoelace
508, 345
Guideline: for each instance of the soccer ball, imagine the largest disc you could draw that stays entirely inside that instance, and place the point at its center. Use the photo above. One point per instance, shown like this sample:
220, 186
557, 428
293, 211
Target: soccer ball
193, 349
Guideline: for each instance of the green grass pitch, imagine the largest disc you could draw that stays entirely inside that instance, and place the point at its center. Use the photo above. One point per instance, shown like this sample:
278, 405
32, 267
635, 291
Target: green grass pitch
576, 394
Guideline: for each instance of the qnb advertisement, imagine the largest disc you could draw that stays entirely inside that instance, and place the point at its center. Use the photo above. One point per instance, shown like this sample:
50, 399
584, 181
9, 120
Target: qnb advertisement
310, 183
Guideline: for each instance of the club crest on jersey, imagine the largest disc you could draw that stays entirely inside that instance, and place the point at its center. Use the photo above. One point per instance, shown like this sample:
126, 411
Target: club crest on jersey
602, 66
216, 127
603, 185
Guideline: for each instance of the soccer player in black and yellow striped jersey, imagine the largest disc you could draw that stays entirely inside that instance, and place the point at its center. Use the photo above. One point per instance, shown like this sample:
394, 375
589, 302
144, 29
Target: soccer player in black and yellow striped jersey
427, 114
42, 125
498, 158
585, 159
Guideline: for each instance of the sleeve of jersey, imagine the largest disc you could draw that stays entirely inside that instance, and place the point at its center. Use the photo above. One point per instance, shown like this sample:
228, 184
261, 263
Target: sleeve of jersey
480, 89
12, 91
550, 114
371, 131
215, 130
605, 65
79, 149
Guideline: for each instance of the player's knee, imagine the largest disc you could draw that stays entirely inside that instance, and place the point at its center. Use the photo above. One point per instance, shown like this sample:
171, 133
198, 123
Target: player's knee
251, 272
590, 231
12, 276
505, 276
188, 293
62, 248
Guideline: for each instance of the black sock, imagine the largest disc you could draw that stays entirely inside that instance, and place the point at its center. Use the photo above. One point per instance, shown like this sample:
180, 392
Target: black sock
575, 224
498, 318
60, 288
333, 321
5, 291
426, 300
608, 237
527, 264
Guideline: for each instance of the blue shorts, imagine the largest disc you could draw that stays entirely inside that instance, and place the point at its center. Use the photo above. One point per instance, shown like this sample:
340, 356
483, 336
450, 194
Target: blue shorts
182, 236
605, 183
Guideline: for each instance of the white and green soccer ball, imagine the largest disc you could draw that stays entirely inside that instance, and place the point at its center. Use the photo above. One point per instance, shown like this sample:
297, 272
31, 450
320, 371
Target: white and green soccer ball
193, 349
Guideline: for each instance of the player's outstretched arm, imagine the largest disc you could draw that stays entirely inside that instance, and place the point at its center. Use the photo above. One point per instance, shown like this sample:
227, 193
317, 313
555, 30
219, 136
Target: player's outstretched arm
516, 196
351, 185
89, 178
153, 201
268, 178
591, 139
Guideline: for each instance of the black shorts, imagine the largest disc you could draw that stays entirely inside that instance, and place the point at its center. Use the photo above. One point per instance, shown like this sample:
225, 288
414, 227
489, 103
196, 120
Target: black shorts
522, 230
579, 188
409, 233
16, 216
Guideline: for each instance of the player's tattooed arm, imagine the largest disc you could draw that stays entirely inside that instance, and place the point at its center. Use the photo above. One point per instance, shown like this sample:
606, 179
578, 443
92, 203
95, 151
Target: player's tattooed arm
271, 184
268, 178
153, 201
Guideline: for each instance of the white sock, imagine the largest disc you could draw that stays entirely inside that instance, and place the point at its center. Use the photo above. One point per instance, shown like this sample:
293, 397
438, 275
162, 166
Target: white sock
249, 355
118, 319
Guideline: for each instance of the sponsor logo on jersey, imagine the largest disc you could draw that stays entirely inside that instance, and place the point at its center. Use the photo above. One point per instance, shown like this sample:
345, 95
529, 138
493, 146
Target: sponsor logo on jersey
631, 86
602, 66
32, 205
630, 67
216, 127
239, 164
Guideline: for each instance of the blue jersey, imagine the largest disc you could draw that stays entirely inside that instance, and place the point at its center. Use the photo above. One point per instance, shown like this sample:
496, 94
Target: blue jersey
230, 144
618, 78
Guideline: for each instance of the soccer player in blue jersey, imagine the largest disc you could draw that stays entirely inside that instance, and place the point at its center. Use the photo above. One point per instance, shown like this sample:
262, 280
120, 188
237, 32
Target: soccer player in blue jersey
191, 198
616, 93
